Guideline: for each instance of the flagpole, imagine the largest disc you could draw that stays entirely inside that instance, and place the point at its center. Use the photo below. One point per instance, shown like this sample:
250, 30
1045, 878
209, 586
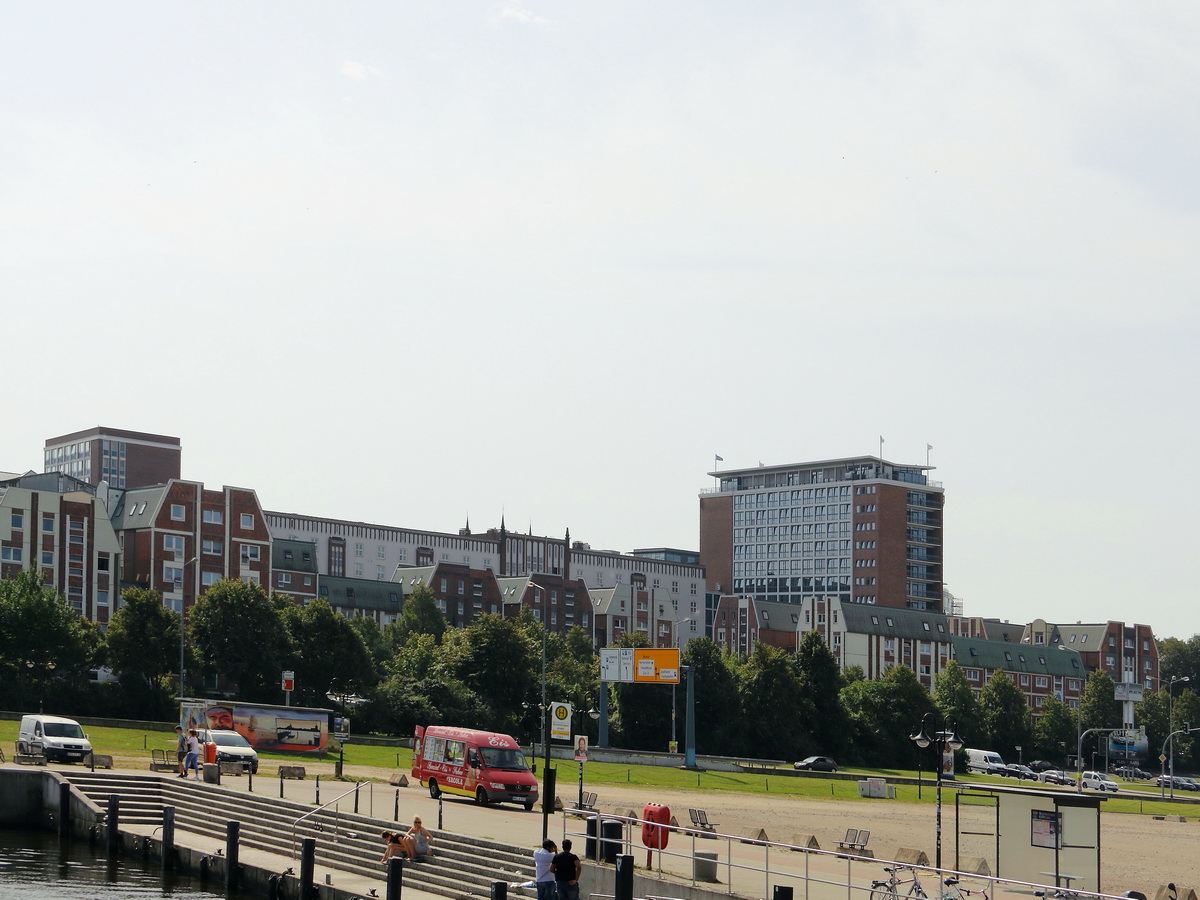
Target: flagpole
881, 448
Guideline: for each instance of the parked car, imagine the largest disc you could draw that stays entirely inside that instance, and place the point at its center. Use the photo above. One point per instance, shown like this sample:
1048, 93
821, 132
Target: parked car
1057, 776
1189, 784
1041, 765
1181, 783
817, 764
1098, 781
1132, 772
56, 738
232, 747
1016, 770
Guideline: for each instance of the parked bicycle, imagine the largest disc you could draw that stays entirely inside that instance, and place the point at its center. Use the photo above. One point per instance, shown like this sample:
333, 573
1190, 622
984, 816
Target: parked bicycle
953, 890
890, 888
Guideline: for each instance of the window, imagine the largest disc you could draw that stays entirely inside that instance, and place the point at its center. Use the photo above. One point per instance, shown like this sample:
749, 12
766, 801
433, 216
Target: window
1024, 681
173, 574
12, 554
213, 517
18, 521
212, 548
381, 552
178, 513
1041, 681
48, 524
379, 573
285, 578
173, 543
358, 570
247, 521
208, 579
47, 557
251, 553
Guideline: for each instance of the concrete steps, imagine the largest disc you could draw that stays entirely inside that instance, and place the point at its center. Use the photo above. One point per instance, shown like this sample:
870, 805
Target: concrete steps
459, 866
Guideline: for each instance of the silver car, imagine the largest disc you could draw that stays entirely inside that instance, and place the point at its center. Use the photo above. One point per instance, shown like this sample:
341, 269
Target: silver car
232, 747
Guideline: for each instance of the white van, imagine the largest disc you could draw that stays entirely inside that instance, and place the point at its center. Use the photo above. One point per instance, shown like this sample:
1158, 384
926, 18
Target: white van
54, 737
985, 762
1098, 781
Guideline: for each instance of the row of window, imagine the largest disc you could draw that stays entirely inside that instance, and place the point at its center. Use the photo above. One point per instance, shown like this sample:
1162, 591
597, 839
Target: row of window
787, 498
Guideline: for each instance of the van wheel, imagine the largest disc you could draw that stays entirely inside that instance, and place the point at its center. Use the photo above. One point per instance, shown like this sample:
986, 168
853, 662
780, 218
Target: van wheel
528, 806
481, 796
434, 790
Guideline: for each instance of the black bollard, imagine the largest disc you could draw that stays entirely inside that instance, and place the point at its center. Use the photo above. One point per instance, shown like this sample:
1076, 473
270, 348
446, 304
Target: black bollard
231, 856
281, 787
396, 813
782, 892
250, 780
168, 837
356, 799
439, 813
499, 891
395, 877
64, 809
114, 824
317, 797
623, 888
308, 864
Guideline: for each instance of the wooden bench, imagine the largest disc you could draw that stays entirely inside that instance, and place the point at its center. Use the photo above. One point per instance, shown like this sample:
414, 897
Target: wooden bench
160, 762
292, 772
855, 840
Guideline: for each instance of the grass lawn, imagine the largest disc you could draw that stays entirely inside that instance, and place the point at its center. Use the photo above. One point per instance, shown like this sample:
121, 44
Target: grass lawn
137, 743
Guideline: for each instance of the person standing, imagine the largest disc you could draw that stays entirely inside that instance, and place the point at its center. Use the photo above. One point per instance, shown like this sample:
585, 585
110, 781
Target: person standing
181, 748
567, 867
543, 874
192, 760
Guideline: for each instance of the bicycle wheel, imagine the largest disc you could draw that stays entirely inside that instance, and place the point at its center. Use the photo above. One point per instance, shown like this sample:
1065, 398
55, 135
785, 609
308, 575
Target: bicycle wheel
916, 892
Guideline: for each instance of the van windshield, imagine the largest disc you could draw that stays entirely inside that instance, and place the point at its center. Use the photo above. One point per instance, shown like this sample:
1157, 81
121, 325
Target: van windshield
496, 758
64, 729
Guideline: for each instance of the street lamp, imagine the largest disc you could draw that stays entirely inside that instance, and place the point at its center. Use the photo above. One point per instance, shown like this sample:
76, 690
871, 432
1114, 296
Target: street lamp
547, 782
343, 699
1171, 722
595, 714
49, 665
179, 588
674, 742
945, 737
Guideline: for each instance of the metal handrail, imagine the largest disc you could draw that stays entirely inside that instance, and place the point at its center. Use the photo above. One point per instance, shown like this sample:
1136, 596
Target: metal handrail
313, 812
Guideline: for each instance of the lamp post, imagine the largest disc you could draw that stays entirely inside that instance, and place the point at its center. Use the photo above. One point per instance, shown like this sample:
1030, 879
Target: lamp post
945, 737
674, 742
546, 781
344, 700
595, 714
179, 589
1171, 722
49, 666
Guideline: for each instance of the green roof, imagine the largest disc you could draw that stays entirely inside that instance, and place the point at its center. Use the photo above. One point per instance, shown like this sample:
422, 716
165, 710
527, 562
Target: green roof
359, 593
981, 654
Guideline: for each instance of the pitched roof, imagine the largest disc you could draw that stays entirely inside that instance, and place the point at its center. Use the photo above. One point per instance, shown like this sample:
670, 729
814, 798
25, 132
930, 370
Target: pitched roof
911, 624
979, 653
360, 593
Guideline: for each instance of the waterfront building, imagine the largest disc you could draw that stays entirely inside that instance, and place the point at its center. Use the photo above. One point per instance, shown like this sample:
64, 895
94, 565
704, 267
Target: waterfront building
123, 459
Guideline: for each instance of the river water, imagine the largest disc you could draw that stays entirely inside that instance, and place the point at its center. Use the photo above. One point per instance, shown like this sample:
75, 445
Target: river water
36, 865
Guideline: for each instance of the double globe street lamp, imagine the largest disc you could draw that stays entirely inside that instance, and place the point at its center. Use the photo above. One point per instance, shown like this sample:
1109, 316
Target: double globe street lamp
347, 699
947, 741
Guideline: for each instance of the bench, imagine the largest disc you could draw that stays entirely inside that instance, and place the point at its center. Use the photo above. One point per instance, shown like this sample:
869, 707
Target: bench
855, 840
699, 819
589, 801
291, 772
160, 762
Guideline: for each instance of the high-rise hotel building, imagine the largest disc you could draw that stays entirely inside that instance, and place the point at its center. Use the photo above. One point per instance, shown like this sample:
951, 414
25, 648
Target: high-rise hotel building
859, 530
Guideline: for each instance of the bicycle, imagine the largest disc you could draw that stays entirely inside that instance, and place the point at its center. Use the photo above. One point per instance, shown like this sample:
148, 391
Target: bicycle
955, 891
888, 889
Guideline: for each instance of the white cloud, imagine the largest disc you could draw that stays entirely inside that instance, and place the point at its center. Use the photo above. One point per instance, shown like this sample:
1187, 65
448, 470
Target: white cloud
516, 14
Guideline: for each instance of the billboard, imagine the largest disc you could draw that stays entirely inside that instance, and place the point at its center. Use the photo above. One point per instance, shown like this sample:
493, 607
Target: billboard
283, 729
641, 665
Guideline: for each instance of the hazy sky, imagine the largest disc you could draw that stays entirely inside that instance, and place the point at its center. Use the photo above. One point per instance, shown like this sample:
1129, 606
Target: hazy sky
411, 262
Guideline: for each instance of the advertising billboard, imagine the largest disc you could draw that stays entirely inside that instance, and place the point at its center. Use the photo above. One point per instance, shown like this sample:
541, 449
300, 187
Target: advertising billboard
284, 729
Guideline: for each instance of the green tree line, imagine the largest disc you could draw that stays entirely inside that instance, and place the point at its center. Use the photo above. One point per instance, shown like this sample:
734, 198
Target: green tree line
237, 639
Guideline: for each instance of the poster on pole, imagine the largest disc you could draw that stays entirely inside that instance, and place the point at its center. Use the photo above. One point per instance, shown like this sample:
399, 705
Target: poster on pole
581, 748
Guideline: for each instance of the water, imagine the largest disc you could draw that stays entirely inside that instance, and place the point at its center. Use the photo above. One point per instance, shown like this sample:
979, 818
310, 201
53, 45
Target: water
36, 865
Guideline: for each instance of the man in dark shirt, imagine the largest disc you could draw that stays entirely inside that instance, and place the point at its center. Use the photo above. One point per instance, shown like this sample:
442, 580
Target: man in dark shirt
566, 867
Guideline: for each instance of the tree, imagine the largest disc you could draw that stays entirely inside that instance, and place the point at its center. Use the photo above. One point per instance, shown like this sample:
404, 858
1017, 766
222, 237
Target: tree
418, 690
495, 659
38, 626
953, 696
327, 652
1099, 707
1054, 731
238, 632
142, 646
640, 713
419, 615
883, 715
714, 695
820, 681
1005, 715
1179, 659
776, 714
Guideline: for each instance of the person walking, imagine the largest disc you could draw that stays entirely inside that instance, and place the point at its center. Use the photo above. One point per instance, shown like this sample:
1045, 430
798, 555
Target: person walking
567, 867
181, 748
192, 760
543, 874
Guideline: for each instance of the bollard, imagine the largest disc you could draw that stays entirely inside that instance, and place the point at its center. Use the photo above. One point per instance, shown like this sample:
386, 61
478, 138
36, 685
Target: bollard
396, 813
623, 887
64, 809
499, 891
439, 813
308, 864
782, 892
281, 786
317, 800
356, 799
250, 780
114, 824
168, 837
231, 856
395, 877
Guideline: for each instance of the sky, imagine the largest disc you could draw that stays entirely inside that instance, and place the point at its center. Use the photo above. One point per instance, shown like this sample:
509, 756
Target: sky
419, 263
